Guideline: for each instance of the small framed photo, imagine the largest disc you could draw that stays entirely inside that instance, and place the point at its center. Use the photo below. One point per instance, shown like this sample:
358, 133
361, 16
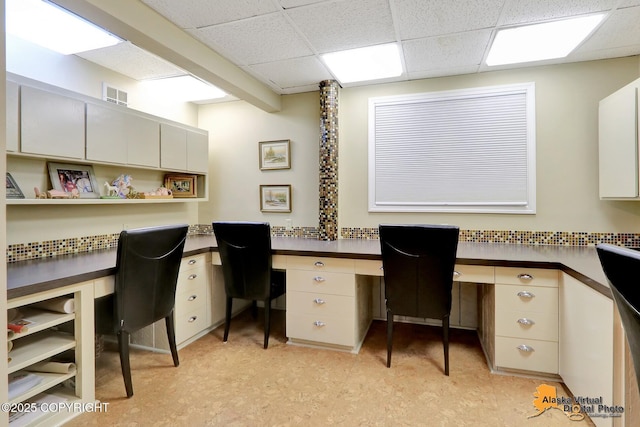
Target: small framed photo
181, 185
13, 191
68, 177
275, 198
275, 154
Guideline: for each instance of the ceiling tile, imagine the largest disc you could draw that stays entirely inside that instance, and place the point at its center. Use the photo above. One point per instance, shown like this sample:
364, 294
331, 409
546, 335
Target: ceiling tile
525, 11
619, 30
345, 24
133, 62
425, 18
439, 53
292, 73
265, 38
289, 4
202, 13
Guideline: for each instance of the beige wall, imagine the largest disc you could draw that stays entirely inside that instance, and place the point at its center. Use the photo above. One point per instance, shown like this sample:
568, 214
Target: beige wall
567, 99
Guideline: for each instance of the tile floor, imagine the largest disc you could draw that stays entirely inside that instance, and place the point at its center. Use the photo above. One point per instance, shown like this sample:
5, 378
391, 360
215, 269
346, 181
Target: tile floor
241, 384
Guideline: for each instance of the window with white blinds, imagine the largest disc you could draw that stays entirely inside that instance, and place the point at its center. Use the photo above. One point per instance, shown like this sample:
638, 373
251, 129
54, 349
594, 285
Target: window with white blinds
469, 150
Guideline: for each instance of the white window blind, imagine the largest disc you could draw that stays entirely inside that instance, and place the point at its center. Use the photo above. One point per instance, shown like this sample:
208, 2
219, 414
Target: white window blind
455, 151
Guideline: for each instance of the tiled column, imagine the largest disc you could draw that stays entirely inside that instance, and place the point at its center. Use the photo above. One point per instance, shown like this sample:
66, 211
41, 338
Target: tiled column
328, 219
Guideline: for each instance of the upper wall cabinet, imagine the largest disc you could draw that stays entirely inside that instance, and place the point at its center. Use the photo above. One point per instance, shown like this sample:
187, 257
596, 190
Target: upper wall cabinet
197, 152
183, 149
12, 116
51, 124
619, 143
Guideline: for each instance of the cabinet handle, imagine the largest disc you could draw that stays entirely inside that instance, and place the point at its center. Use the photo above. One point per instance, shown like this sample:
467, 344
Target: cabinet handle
192, 297
319, 301
192, 261
319, 264
525, 348
525, 276
525, 294
192, 319
526, 322
456, 274
192, 276
319, 323
318, 279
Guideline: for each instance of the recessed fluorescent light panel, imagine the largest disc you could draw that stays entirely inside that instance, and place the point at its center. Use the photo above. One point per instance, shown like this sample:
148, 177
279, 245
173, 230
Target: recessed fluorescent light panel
50, 26
540, 41
367, 63
185, 88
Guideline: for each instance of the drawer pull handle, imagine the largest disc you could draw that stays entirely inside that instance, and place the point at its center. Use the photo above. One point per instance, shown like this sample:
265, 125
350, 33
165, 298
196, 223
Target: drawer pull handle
319, 301
525, 276
456, 274
525, 348
525, 294
319, 323
319, 264
192, 276
318, 279
192, 297
192, 261
526, 322
192, 319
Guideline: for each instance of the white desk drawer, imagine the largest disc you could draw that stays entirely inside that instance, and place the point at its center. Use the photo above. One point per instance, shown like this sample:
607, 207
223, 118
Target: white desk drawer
192, 262
324, 282
321, 329
336, 265
541, 357
189, 323
527, 276
315, 304
527, 298
191, 280
369, 267
530, 325
473, 273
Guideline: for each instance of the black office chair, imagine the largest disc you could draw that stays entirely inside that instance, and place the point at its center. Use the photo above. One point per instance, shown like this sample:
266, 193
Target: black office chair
245, 251
418, 263
622, 267
147, 265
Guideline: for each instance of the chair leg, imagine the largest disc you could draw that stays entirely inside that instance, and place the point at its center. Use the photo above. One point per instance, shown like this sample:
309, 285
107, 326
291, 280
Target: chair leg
389, 336
267, 322
227, 319
445, 342
123, 348
171, 335
254, 309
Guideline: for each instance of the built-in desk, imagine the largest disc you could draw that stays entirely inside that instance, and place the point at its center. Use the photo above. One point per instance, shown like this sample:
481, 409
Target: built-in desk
571, 279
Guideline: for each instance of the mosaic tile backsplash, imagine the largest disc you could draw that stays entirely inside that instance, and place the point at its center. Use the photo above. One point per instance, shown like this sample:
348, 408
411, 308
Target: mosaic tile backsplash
51, 248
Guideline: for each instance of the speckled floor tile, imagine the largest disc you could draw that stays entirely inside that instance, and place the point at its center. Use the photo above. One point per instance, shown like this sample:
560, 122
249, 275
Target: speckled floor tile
241, 384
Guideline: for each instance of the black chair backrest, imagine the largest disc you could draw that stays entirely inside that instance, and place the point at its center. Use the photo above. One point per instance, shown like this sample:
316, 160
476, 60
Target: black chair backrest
622, 268
147, 266
418, 263
245, 251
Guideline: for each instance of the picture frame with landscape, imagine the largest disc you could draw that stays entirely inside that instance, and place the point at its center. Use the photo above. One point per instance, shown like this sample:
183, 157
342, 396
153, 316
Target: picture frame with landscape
275, 154
275, 198
71, 176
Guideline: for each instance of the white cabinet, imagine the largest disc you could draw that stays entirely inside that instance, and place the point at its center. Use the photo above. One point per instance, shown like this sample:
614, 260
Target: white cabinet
586, 343
49, 335
13, 105
618, 137
197, 152
183, 149
143, 141
526, 319
51, 124
191, 311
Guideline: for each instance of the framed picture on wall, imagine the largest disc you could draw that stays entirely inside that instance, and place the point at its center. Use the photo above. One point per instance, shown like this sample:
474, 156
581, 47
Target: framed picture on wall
275, 154
13, 191
69, 176
181, 185
275, 198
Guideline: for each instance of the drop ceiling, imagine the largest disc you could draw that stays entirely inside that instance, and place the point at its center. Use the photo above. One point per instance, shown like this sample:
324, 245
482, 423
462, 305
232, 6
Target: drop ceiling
279, 42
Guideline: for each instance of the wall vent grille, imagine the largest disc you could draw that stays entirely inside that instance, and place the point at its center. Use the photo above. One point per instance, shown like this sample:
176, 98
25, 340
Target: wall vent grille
111, 94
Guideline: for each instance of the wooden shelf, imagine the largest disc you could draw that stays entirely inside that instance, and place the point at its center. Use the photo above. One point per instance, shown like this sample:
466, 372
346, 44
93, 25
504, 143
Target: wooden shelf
42, 320
38, 347
49, 380
54, 418
19, 202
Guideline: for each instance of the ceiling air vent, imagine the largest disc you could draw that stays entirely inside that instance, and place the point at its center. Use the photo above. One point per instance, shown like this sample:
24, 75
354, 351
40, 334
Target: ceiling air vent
111, 94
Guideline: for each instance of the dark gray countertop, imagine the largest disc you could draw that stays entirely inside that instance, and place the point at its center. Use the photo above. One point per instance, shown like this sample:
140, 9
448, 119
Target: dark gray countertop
581, 262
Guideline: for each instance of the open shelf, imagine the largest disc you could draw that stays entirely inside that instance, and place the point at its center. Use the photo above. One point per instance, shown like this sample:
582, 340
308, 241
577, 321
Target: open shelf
49, 380
42, 320
100, 201
38, 347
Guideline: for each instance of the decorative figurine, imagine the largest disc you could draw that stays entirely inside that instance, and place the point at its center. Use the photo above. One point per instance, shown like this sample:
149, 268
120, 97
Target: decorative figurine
112, 191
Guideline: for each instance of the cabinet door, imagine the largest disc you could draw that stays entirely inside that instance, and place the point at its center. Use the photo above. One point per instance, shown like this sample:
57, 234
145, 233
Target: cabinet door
51, 124
12, 116
173, 147
106, 134
197, 152
143, 141
618, 143
586, 342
